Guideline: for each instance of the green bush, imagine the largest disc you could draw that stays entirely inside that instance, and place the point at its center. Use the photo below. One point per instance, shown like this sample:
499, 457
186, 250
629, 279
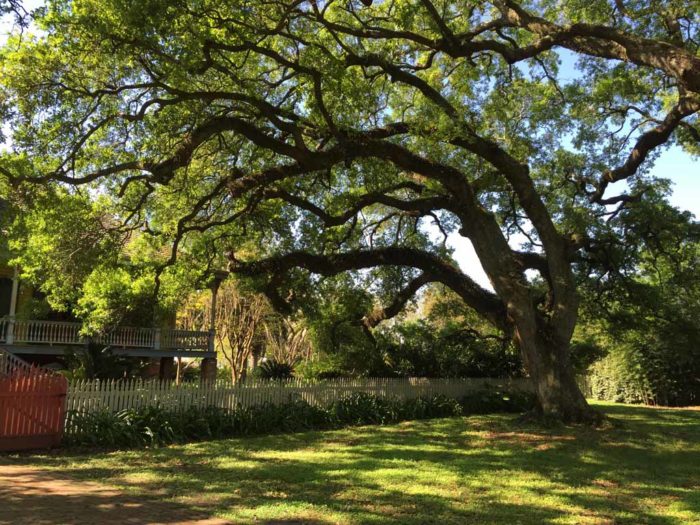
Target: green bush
619, 378
487, 401
430, 407
272, 369
424, 349
363, 409
157, 426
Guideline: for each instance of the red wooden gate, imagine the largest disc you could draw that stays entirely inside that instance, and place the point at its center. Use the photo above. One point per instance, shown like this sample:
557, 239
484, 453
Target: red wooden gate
32, 405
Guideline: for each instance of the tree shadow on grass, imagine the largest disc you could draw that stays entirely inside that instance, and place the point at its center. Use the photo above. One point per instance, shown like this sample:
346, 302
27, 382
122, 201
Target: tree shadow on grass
476, 470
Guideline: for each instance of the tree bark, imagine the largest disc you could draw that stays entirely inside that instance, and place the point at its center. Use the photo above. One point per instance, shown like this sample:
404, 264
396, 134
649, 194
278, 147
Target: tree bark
547, 361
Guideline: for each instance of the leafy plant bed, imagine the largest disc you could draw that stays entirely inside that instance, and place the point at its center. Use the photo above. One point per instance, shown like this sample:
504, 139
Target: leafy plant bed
156, 426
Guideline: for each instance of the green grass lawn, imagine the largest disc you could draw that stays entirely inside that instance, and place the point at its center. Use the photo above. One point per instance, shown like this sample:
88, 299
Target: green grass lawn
644, 468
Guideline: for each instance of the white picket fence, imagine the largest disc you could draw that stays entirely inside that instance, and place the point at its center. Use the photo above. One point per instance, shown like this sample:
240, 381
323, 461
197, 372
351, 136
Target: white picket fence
116, 395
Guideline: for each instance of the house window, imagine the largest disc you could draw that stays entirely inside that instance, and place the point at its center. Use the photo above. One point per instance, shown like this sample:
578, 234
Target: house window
5, 296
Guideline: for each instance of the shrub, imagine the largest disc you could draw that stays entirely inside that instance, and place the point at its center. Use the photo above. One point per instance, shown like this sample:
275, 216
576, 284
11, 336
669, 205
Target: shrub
157, 426
655, 369
272, 369
618, 378
331, 374
367, 409
430, 407
487, 401
102, 428
362, 408
438, 349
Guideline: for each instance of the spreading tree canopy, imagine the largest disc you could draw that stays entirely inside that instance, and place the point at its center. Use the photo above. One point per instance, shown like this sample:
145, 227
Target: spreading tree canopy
306, 138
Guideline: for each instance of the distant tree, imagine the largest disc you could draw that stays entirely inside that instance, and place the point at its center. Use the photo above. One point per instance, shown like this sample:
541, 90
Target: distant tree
444, 338
287, 341
240, 324
73, 250
644, 315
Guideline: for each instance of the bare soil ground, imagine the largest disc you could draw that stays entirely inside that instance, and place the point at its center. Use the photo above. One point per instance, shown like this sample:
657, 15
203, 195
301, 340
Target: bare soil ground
30, 495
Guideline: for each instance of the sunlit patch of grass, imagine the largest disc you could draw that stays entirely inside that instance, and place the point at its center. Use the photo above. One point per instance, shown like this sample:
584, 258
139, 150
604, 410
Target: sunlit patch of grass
642, 468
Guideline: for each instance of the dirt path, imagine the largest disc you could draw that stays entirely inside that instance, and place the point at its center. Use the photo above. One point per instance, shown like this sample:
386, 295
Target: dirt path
33, 496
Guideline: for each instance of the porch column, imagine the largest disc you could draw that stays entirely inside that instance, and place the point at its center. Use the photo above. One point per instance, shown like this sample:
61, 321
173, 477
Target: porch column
10, 336
178, 371
152, 369
219, 276
207, 371
167, 368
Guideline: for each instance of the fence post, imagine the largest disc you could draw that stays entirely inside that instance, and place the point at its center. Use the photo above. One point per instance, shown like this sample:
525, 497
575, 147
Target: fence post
207, 370
211, 340
156, 339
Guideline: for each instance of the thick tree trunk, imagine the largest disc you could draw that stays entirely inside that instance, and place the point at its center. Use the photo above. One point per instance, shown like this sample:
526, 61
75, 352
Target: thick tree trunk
558, 394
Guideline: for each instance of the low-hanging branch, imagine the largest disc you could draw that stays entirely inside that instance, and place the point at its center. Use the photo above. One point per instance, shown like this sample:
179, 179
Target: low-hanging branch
378, 315
434, 268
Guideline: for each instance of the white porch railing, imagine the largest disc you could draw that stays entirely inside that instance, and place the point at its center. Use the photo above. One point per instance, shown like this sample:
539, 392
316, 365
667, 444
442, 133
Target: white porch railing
19, 331
129, 337
184, 339
46, 332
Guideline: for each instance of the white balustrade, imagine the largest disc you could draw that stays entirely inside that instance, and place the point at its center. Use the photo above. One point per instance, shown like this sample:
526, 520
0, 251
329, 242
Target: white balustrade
127, 337
64, 333
184, 339
46, 332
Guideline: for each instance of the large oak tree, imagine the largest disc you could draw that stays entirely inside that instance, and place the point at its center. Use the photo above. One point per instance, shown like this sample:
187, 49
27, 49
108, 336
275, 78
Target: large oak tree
302, 138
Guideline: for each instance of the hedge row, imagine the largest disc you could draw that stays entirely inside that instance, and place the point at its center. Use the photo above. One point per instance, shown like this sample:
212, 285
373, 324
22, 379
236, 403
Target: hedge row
155, 426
